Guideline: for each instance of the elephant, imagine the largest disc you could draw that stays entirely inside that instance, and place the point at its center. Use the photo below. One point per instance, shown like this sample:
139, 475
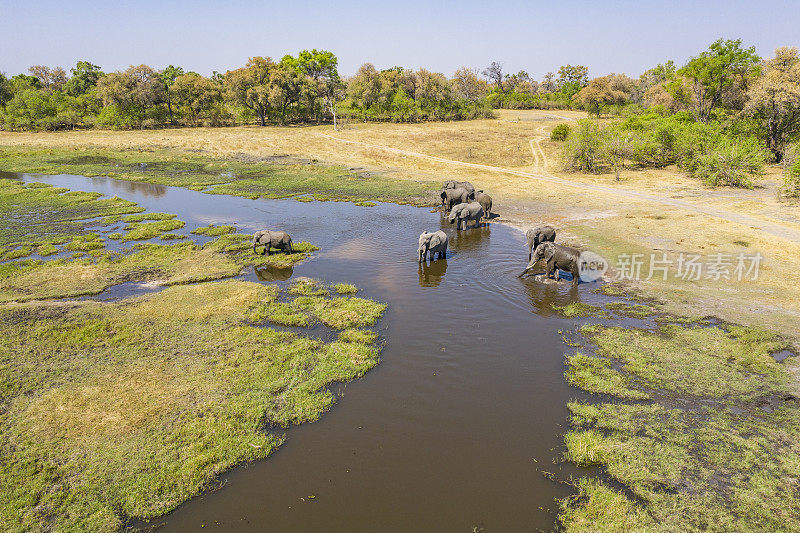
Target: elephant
432, 243
537, 236
556, 257
451, 197
486, 203
280, 240
451, 184
463, 213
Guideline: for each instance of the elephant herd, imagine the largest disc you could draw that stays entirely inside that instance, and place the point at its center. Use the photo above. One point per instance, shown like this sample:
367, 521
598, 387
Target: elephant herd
464, 204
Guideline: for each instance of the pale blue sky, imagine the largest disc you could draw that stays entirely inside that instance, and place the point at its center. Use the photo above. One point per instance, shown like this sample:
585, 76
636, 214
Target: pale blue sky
611, 36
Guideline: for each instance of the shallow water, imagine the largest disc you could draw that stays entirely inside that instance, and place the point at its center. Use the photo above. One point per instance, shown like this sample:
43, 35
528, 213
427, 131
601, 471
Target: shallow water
456, 426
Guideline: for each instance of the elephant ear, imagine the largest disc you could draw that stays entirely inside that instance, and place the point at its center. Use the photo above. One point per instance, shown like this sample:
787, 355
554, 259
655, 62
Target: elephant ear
436, 240
549, 252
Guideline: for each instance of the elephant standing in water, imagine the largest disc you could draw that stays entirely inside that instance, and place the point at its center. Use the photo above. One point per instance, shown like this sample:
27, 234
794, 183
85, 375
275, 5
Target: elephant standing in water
556, 257
451, 197
463, 213
432, 243
537, 236
280, 240
486, 203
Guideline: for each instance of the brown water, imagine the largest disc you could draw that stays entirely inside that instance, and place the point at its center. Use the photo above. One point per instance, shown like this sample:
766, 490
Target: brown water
456, 426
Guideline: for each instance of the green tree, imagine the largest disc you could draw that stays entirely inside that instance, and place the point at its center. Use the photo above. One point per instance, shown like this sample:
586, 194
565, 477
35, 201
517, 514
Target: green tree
774, 100
717, 70
168, 77
133, 92
571, 79
5, 90
249, 86
601, 92
196, 96
84, 78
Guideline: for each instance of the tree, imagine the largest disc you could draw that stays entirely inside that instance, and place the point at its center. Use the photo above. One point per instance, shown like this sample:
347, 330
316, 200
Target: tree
601, 92
84, 78
548, 85
195, 95
249, 86
283, 89
467, 85
134, 92
52, 79
657, 75
167, 77
571, 79
321, 83
5, 90
495, 74
774, 100
717, 70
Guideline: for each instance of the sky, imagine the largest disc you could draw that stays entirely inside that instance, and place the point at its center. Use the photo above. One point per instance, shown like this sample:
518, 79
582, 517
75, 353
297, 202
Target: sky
535, 36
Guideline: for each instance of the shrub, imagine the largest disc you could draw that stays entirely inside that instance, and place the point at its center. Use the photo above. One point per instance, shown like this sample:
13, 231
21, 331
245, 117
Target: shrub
732, 162
582, 147
791, 173
560, 133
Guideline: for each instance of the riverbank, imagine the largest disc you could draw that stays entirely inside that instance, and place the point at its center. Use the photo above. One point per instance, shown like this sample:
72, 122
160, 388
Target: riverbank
124, 408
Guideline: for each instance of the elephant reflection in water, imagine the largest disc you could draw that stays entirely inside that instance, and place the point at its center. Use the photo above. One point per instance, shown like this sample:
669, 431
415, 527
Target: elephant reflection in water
272, 273
473, 239
544, 294
430, 275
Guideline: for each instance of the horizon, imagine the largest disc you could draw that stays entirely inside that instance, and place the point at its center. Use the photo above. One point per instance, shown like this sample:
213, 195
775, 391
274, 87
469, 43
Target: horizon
440, 38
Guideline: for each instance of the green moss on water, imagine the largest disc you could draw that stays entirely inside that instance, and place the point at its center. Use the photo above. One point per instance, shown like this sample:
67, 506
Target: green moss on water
149, 216
345, 288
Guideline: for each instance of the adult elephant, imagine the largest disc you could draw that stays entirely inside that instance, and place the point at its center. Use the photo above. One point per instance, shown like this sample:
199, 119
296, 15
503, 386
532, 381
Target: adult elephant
537, 236
486, 203
451, 197
556, 258
452, 184
280, 240
432, 243
463, 213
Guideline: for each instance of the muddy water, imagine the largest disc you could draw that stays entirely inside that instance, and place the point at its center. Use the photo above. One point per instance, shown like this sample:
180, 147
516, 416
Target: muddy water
455, 427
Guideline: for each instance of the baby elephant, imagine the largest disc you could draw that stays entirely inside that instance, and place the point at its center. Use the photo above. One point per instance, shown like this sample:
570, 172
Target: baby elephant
537, 236
556, 257
280, 240
432, 243
463, 213
486, 203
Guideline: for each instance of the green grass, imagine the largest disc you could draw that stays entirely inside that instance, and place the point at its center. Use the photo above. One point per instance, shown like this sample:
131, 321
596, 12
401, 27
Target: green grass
214, 231
631, 310
312, 303
123, 421
141, 231
172, 236
227, 176
580, 309
111, 411
345, 288
716, 448
148, 216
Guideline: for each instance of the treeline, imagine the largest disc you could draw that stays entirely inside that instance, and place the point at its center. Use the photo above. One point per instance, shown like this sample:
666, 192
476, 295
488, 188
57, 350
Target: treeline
721, 117
305, 88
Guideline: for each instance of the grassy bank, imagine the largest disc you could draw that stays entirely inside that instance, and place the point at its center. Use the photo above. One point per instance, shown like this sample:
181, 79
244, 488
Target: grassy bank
124, 409
699, 424
246, 176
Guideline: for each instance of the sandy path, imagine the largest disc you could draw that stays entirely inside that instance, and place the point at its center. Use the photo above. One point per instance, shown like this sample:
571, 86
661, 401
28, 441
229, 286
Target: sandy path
771, 228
